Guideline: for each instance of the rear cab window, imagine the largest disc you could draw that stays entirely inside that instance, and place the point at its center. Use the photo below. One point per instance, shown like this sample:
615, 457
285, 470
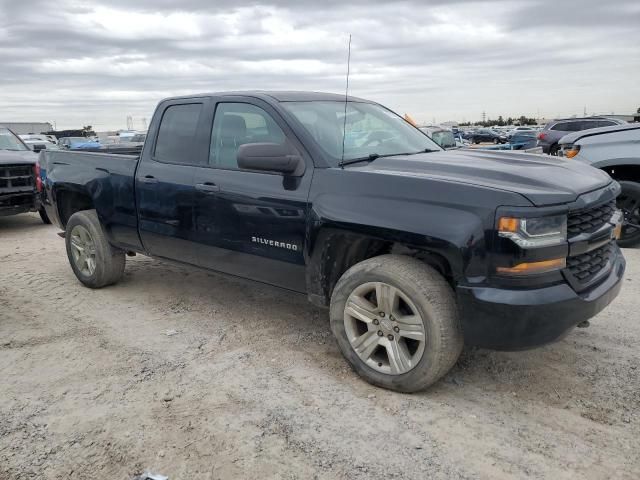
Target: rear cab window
177, 134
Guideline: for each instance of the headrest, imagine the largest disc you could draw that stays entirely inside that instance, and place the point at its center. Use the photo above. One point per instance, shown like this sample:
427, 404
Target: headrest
233, 126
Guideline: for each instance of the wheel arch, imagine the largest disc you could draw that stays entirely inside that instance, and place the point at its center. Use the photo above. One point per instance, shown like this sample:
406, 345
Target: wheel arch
70, 200
338, 250
621, 171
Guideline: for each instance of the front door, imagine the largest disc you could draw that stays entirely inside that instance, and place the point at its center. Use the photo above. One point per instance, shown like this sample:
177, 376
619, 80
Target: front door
247, 223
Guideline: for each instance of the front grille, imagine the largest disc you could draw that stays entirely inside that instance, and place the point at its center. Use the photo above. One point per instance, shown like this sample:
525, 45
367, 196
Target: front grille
589, 219
15, 178
17, 186
585, 267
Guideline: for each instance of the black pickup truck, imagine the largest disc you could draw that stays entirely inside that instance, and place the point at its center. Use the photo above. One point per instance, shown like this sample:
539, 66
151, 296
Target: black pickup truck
414, 250
19, 177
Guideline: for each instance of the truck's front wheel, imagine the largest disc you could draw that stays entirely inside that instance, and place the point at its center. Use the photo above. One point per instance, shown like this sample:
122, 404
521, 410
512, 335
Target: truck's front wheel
93, 260
396, 322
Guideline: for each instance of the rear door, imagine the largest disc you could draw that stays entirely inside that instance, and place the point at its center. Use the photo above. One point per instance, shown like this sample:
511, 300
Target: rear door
251, 224
165, 180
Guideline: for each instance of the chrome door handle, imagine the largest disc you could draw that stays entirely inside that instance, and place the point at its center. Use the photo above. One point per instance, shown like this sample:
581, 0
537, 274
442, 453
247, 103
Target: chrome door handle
207, 187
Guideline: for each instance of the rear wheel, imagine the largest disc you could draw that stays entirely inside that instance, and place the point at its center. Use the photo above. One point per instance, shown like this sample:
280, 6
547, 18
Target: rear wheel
554, 150
396, 322
629, 202
44, 217
93, 260
495, 141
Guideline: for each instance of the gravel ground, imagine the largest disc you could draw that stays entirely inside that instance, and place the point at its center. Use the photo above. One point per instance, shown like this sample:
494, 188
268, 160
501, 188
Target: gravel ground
200, 376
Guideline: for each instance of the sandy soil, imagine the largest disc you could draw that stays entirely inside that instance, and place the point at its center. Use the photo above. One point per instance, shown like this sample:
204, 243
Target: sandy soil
200, 376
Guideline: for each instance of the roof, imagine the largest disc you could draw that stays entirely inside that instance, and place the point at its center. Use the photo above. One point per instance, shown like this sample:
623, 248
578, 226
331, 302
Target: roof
280, 96
575, 136
596, 117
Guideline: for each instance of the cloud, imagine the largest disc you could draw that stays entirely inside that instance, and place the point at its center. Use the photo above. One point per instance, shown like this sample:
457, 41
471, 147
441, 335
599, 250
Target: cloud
97, 62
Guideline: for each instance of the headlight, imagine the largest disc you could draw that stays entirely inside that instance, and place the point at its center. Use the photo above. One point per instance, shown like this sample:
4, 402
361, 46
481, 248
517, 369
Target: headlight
534, 232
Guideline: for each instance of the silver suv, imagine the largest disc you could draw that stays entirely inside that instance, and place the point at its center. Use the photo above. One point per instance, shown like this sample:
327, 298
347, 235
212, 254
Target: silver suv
553, 131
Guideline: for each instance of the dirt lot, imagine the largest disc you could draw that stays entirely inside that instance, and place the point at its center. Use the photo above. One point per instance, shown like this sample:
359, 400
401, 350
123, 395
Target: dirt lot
200, 376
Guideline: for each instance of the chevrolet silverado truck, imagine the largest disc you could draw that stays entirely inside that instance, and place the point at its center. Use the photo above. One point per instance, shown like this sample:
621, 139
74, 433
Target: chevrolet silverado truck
19, 178
414, 250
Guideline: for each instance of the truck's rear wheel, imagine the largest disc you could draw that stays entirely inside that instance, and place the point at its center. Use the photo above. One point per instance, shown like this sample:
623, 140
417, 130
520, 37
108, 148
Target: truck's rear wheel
396, 322
43, 216
93, 260
629, 202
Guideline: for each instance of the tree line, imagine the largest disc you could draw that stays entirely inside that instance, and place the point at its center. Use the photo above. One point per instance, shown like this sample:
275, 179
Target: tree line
501, 122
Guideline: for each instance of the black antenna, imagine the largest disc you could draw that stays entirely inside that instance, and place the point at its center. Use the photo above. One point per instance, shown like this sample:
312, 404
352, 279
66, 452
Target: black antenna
346, 99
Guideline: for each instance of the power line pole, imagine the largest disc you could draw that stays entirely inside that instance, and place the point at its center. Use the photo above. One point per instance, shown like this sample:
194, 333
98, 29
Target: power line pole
484, 117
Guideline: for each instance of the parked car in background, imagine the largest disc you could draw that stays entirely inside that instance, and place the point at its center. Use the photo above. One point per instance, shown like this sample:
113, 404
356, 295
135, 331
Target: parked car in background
523, 140
443, 137
616, 150
78, 143
516, 130
136, 140
36, 137
553, 131
38, 142
488, 135
19, 177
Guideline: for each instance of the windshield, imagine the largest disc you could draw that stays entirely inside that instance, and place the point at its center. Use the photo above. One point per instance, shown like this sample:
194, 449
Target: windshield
370, 129
8, 141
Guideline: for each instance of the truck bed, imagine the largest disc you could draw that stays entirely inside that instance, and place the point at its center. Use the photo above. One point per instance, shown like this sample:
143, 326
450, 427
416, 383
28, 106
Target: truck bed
109, 179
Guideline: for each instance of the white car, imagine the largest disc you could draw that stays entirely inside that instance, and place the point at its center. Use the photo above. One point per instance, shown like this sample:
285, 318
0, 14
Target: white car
32, 137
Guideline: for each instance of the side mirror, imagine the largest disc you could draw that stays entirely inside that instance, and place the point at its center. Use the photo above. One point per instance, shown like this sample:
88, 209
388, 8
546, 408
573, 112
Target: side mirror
37, 147
270, 157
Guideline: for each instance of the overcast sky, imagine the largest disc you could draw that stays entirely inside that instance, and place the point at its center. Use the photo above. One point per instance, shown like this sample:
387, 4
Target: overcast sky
83, 62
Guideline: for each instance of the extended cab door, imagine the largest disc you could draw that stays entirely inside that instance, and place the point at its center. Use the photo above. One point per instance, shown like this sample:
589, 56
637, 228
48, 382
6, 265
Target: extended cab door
165, 180
251, 224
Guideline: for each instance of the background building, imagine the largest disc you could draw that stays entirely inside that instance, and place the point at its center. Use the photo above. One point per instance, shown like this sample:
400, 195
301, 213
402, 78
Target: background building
22, 128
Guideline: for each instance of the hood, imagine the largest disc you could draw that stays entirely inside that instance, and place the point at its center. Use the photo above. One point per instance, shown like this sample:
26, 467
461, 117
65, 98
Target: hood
542, 179
9, 157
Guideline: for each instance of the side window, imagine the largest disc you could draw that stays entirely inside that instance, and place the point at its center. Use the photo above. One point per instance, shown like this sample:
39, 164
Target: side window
587, 124
561, 127
235, 124
177, 134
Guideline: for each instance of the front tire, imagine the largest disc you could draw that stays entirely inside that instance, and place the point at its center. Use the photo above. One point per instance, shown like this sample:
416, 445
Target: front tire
629, 202
396, 322
93, 260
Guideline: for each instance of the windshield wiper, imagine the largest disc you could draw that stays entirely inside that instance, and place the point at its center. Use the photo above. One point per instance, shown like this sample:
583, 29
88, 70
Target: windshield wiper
373, 156
426, 150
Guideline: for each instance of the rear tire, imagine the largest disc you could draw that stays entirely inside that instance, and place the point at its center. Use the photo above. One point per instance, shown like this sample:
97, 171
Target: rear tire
44, 217
629, 202
93, 260
387, 332
554, 150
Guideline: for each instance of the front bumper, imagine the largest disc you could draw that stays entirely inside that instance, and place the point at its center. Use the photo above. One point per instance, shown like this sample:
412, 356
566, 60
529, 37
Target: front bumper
503, 319
16, 203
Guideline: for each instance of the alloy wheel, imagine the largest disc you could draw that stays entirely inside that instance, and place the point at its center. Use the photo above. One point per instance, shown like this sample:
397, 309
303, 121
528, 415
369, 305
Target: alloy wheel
83, 250
384, 328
